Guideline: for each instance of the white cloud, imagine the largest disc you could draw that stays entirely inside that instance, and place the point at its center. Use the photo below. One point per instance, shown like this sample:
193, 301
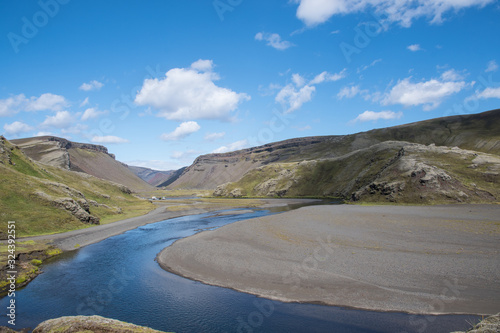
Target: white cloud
451, 75
190, 93
92, 113
430, 93
77, 129
492, 66
203, 65
14, 104
327, 77
350, 92
298, 80
92, 85
295, 94
184, 129
292, 98
273, 40
489, 93
108, 139
85, 102
46, 102
414, 47
16, 128
314, 12
374, 116
232, 147
43, 133
214, 136
11, 105
62, 119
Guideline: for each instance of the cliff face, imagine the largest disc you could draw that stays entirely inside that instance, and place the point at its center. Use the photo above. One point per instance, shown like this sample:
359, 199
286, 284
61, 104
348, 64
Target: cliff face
478, 132
92, 159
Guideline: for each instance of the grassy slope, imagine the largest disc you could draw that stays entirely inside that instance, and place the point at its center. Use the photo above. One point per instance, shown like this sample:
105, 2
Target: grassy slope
480, 132
34, 216
380, 164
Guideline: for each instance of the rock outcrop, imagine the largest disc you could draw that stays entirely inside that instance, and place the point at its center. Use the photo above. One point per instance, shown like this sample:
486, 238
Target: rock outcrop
79, 324
79, 208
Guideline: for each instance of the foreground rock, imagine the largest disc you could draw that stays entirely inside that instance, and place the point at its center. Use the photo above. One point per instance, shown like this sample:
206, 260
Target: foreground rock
417, 259
89, 324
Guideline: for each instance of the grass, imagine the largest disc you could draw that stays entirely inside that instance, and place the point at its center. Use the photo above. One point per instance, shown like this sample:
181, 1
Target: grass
36, 216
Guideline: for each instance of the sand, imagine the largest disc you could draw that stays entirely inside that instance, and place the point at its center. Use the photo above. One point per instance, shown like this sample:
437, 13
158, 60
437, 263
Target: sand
416, 259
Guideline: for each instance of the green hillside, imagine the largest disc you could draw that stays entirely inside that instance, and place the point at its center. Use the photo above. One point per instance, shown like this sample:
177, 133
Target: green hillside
44, 199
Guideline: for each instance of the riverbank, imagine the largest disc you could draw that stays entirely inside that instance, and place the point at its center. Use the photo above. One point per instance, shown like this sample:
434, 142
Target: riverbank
416, 259
75, 239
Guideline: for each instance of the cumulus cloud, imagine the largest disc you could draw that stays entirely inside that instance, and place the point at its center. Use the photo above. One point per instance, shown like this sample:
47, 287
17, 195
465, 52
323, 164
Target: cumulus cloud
273, 40
184, 129
16, 128
190, 93
314, 12
414, 47
11, 105
374, 116
295, 94
17, 103
92, 113
214, 136
429, 93
492, 66
292, 98
108, 139
489, 93
242, 144
62, 119
92, 85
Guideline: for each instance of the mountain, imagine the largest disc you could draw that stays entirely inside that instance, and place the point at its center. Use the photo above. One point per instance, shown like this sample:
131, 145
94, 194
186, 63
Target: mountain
91, 159
152, 177
45, 199
451, 150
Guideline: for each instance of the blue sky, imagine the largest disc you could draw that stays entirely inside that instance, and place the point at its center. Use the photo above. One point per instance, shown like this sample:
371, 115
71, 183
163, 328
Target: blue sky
161, 82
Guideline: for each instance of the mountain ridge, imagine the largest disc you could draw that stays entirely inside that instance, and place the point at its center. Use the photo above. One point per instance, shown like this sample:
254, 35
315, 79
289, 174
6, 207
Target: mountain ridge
89, 158
479, 132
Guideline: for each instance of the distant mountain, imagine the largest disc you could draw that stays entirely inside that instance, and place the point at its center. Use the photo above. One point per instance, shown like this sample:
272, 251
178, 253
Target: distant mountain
152, 177
91, 159
345, 165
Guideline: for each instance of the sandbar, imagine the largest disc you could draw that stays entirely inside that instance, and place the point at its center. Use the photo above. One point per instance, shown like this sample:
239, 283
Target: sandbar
414, 259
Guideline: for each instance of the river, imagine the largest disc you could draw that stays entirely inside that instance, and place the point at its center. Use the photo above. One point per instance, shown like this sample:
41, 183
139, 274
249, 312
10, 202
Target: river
118, 278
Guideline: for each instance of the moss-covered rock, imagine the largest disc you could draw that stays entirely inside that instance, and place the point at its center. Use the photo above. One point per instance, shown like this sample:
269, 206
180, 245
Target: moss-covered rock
95, 324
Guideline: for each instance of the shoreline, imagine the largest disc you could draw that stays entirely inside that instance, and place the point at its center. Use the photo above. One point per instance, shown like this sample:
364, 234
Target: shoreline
75, 239
419, 260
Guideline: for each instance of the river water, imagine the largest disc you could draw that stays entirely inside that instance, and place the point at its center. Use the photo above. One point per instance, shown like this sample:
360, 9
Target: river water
118, 278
